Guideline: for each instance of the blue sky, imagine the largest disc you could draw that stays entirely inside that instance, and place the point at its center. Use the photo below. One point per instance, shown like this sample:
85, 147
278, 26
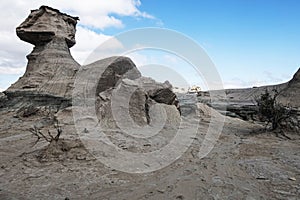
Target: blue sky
251, 42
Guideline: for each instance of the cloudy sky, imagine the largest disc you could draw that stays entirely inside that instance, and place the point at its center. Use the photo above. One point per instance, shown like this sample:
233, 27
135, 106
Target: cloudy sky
252, 43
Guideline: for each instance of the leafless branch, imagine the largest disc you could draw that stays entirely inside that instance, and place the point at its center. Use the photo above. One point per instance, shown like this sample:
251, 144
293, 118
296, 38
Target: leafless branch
50, 138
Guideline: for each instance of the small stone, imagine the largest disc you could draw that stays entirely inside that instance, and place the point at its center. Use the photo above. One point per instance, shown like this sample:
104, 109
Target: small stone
261, 178
160, 191
180, 197
292, 178
80, 157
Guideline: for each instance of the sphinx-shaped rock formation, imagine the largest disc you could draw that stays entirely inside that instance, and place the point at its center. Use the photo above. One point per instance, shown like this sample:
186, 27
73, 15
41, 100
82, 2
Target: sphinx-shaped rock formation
52, 74
51, 68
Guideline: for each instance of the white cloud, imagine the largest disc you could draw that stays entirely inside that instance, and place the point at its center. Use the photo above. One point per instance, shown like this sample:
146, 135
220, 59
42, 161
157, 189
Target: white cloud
161, 66
171, 59
86, 42
270, 77
145, 57
92, 46
139, 59
96, 14
265, 78
12, 70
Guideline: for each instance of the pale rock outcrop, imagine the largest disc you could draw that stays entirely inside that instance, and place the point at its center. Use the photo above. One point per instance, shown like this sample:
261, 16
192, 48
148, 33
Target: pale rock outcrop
110, 71
132, 103
160, 92
53, 77
46, 23
290, 95
51, 68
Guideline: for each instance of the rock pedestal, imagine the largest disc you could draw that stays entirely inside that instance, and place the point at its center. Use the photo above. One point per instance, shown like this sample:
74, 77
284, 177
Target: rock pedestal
51, 68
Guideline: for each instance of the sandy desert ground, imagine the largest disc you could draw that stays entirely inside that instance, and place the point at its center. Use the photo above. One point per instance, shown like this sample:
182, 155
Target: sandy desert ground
244, 164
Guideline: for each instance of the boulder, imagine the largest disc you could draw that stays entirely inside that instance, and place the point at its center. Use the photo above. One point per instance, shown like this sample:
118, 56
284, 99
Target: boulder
188, 104
164, 95
131, 104
109, 71
160, 92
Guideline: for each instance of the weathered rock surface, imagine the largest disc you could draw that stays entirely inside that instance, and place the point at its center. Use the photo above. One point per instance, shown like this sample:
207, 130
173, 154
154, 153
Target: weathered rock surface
188, 104
134, 104
119, 89
165, 95
2, 96
240, 103
45, 24
3, 99
113, 70
290, 95
51, 69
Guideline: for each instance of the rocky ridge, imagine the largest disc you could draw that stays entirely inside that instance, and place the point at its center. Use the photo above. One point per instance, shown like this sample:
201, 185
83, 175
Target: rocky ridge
241, 103
290, 95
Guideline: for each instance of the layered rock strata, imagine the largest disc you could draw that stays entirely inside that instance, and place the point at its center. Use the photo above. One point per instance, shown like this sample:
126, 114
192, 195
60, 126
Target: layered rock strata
51, 69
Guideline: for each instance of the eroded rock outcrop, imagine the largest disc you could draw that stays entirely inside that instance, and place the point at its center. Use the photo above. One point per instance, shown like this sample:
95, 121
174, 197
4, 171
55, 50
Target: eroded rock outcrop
131, 103
51, 68
110, 71
290, 95
45, 24
241, 103
52, 74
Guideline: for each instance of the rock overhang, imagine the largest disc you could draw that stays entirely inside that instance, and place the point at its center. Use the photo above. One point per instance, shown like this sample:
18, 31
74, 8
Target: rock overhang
45, 23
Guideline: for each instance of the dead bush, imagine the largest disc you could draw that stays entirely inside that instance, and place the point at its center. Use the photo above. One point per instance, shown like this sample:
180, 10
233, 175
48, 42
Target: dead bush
49, 137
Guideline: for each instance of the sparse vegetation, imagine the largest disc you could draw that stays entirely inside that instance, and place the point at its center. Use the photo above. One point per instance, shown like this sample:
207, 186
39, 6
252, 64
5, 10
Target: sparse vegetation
270, 111
48, 137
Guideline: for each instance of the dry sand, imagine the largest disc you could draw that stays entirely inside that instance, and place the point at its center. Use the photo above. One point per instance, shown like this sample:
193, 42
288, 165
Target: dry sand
242, 165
